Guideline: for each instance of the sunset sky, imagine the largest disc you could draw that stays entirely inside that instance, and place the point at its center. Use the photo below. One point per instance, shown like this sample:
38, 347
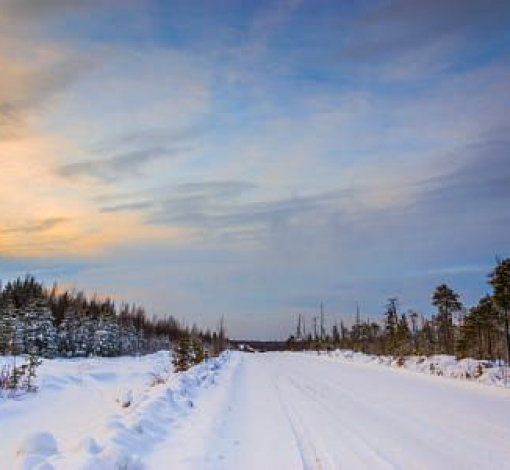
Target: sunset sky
253, 158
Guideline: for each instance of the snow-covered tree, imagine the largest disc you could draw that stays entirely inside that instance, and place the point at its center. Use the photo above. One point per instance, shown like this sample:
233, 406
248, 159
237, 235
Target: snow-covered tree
107, 336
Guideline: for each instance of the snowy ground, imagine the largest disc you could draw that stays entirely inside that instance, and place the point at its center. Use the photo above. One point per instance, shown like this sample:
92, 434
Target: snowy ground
486, 372
255, 411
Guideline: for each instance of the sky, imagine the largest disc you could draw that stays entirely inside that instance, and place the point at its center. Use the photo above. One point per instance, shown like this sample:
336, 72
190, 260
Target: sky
250, 159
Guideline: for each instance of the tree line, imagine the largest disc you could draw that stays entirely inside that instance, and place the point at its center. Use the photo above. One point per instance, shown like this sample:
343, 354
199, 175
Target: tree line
51, 323
482, 331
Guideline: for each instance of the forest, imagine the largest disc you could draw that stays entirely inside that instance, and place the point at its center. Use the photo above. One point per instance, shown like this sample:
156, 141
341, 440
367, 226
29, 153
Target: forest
481, 331
54, 323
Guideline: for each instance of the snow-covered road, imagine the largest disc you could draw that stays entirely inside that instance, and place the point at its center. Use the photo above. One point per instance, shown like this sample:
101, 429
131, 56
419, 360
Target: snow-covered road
281, 411
293, 411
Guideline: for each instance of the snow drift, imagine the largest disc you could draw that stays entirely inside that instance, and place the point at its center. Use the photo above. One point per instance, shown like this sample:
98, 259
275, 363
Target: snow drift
486, 372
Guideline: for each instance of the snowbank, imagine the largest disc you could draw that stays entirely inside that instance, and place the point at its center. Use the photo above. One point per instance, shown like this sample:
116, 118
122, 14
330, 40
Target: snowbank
41, 443
441, 365
131, 422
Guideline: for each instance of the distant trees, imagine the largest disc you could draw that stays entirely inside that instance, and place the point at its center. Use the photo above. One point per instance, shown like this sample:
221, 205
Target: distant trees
49, 323
482, 331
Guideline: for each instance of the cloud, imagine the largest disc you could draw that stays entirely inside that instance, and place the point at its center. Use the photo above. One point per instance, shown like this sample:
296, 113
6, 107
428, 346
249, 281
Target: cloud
183, 197
229, 216
228, 209
216, 189
42, 226
116, 166
128, 207
480, 181
140, 148
438, 14
32, 78
406, 24
28, 10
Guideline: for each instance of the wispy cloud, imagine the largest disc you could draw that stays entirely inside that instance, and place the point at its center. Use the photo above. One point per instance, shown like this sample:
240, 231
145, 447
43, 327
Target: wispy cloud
132, 151
394, 27
128, 207
30, 82
116, 166
36, 227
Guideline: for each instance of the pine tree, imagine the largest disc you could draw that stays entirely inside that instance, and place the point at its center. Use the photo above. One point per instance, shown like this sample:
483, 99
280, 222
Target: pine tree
447, 302
403, 335
500, 281
478, 331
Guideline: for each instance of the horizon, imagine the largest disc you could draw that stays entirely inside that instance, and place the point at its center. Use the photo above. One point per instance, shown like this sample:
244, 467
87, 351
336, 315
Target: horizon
254, 159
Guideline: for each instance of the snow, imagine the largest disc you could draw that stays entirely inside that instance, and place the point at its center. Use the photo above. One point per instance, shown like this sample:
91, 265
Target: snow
41, 443
126, 398
489, 373
251, 411
303, 411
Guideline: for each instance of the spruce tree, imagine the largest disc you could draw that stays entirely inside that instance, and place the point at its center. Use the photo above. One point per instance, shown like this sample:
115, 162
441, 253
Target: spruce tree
30, 371
391, 323
46, 339
183, 358
198, 350
107, 336
5, 328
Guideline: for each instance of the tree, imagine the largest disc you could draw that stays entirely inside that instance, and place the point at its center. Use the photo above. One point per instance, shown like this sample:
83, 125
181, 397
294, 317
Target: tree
335, 335
5, 328
499, 279
447, 302
198, 350
30, 371
403, 335
414, 328
390, 325
183, 358
107, 334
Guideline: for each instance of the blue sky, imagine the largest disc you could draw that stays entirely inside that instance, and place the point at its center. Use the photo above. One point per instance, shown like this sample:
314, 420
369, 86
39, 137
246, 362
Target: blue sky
251, 159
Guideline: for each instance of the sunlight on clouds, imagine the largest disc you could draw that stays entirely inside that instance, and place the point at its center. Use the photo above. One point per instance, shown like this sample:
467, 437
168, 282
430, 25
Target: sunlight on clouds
43, 214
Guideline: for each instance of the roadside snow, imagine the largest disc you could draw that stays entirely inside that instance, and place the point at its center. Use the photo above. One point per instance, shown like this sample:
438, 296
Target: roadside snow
486, 372
99, 413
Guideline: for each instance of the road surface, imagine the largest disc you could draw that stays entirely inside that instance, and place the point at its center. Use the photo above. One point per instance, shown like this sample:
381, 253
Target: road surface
300, 411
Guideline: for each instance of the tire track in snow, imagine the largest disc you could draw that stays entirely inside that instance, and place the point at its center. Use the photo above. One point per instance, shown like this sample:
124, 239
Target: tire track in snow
352, 450
313, 455
383, 423
407, 422
390, 411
